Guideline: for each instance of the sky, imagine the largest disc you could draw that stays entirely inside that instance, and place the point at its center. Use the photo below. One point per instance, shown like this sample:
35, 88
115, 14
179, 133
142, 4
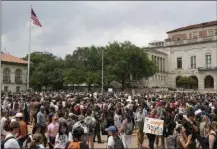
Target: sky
71, 24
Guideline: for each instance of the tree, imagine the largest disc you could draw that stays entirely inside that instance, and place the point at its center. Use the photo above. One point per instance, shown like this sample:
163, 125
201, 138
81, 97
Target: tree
126, 59
45, 70
186, 81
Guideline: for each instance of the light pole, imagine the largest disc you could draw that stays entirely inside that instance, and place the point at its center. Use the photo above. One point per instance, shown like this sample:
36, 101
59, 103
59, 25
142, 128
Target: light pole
102, 83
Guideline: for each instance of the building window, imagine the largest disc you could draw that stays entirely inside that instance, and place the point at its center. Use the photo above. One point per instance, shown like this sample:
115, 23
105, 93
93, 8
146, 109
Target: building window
210, 32
179, 62
17, 89
18, 76
193, 62
6, 89
6, 75
194, 34
208, 61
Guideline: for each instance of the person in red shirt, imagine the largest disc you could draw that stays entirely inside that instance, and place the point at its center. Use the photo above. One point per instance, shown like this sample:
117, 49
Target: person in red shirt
23, 130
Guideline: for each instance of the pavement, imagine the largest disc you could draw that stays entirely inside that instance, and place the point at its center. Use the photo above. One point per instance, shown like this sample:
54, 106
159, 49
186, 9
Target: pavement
104, 140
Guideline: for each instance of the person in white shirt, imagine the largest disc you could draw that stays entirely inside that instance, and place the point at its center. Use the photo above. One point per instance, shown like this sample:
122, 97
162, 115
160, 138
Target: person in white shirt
3, 119
112, 132
140, 117
63, 136
81, 124
10, 141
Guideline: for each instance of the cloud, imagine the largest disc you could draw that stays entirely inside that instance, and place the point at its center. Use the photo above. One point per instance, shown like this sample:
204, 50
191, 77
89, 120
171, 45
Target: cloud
67, 25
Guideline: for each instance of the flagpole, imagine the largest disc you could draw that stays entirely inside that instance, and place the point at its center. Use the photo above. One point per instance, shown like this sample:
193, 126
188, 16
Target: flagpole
0, 60
30, 30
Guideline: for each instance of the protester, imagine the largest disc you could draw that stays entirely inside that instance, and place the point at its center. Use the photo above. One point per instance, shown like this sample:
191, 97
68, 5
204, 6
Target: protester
23, 131
12, 127
182, 141
114, 141
52, 131
36, 142
77, 142
195, 111
63, 136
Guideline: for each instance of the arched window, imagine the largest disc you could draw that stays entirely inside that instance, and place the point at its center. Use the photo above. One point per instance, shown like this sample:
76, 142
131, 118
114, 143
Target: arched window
18, 76
6, 75
208, 82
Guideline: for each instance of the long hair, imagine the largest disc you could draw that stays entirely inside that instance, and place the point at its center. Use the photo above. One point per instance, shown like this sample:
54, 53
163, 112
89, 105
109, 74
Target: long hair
37, 139
63, 124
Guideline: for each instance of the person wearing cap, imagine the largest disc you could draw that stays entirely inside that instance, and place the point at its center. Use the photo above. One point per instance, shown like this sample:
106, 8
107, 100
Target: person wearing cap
10, 140
113, 135
23, 131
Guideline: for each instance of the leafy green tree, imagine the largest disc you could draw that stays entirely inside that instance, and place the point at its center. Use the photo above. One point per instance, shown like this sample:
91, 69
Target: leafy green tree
45, 70
127, 59
186, 81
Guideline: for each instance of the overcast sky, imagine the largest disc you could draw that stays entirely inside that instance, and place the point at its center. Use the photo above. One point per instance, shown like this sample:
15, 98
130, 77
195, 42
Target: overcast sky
67, 25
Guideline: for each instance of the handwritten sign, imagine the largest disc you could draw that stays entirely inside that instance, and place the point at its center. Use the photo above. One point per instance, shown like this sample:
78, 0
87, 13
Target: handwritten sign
153, 126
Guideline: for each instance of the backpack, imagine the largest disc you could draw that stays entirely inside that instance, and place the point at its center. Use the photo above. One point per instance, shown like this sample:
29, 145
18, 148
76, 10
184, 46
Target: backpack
171, 141
90, 124
4, 141
118, 143
128, 128
73, 145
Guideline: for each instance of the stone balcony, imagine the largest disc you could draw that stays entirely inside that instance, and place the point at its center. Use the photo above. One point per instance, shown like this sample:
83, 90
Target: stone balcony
207, 68
190, 41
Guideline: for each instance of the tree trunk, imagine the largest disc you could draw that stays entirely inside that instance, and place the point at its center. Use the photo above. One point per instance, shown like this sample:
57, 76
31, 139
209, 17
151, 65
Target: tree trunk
89, 88
123, 85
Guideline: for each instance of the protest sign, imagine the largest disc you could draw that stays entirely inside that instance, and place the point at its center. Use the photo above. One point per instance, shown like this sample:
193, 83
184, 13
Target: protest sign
153, 126
110, 90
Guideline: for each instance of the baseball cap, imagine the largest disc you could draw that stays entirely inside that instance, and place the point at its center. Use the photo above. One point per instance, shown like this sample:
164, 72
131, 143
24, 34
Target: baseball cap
111, 129
18, 115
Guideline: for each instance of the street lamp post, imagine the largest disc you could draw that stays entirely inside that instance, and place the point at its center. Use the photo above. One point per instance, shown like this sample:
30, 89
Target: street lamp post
102, 83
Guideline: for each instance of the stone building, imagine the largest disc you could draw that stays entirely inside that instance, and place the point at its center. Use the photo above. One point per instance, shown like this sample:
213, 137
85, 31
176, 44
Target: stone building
13, 73
188, 51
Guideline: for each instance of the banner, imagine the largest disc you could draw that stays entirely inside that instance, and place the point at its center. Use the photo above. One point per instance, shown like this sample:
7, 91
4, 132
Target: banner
153, 126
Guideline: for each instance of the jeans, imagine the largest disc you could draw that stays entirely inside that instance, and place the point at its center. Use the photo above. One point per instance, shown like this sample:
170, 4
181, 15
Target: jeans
151, 139
52, 142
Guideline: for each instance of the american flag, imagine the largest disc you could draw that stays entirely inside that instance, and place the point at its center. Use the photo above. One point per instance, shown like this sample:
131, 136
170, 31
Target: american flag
35, 19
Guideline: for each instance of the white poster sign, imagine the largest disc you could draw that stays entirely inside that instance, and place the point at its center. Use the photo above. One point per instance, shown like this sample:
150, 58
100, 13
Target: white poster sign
110, 90
153, 126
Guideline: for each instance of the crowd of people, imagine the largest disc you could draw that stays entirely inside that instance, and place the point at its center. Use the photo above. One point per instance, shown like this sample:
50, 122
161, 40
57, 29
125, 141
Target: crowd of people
76, 120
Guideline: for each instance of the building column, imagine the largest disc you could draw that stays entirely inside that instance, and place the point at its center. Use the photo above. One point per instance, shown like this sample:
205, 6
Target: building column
161, 64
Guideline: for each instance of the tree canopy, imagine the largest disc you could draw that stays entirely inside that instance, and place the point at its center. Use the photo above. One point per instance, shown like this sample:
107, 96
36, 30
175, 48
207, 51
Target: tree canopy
84, 65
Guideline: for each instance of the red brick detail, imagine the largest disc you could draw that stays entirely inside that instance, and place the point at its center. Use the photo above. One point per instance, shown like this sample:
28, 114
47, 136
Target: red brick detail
203, 34
181, 36
205, 24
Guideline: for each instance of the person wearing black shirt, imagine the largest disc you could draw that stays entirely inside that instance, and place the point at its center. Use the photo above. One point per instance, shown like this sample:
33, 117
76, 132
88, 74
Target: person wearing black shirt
191, 129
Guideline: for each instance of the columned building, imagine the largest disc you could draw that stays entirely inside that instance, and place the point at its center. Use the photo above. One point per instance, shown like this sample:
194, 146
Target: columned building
190, 51
13, 73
